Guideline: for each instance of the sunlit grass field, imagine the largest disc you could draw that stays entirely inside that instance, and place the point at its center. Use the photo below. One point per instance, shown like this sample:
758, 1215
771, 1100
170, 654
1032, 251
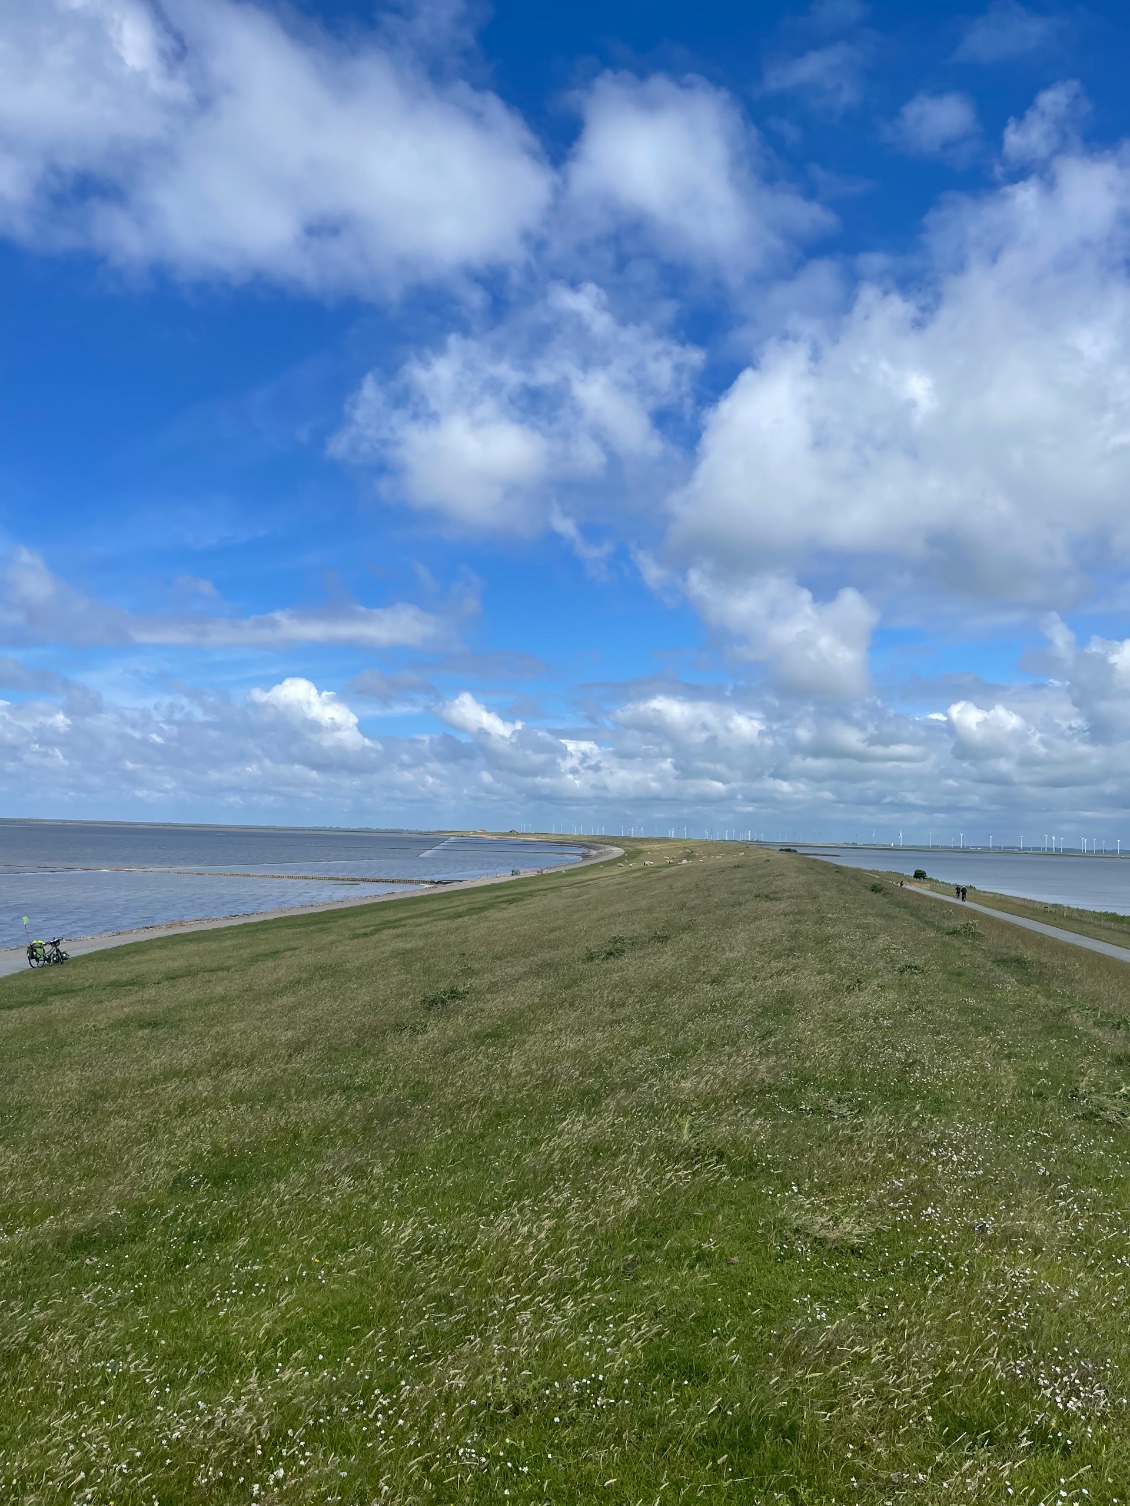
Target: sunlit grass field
744, 1177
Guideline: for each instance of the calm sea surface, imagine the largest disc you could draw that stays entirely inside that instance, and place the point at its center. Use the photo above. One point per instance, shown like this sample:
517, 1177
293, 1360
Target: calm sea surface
1091, 883
75, 879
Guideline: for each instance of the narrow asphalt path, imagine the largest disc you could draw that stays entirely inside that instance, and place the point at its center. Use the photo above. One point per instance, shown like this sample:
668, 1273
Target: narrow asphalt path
1072, 938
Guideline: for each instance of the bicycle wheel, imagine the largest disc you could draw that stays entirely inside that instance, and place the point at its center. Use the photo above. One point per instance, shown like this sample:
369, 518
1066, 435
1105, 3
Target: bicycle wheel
35, 960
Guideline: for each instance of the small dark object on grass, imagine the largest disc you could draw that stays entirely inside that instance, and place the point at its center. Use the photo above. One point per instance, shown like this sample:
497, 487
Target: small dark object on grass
1015, 959
920, 873
615, 946
877, 889
445, 996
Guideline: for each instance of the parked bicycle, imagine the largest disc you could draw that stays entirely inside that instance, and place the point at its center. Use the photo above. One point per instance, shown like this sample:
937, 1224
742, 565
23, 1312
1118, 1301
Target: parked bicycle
43, 953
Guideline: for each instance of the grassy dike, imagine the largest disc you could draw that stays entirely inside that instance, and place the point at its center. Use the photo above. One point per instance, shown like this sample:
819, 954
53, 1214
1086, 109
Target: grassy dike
743, 1177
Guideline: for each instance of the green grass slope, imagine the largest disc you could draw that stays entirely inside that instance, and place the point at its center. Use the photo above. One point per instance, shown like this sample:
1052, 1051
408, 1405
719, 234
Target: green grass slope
635, 1184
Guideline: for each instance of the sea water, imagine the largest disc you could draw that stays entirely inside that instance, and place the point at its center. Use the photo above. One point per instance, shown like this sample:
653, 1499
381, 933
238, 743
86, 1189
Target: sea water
75, 879
1088, 883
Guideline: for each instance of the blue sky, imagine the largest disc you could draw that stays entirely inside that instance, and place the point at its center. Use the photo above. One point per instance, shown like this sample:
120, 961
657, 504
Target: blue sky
582, 415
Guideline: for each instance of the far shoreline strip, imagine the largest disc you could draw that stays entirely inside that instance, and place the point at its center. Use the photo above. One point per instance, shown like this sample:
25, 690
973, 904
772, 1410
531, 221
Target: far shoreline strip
14, 959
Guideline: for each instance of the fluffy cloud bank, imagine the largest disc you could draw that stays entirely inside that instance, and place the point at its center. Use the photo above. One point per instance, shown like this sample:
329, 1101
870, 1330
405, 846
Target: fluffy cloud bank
953, 442
672, 754
208, 137
970, 438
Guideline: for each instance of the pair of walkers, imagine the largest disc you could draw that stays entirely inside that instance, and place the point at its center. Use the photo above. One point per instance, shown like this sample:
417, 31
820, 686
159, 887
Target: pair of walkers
961, 891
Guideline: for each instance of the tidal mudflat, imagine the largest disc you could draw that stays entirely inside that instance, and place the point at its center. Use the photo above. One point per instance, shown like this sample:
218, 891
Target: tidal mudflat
85, 878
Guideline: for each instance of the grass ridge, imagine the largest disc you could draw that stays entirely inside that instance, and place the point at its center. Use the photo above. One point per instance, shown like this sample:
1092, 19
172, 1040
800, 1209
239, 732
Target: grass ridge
634, 1182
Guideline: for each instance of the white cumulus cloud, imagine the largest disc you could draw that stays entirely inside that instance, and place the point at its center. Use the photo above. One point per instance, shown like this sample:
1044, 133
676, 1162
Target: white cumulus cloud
209, 137
930, 125
1050, 124
995, 732
1006, 30
467, 714
811, 648
686, 723
493, 431
974, 433
676, 159
303, 705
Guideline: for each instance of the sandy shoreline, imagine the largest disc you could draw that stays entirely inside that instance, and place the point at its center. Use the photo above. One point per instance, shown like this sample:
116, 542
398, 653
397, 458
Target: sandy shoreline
14, 959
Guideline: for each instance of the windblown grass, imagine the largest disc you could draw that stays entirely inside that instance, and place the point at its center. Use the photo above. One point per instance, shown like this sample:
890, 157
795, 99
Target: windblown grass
632, 1184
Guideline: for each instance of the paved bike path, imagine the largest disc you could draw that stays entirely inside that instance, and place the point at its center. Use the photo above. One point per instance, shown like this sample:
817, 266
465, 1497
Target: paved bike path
1073, 938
